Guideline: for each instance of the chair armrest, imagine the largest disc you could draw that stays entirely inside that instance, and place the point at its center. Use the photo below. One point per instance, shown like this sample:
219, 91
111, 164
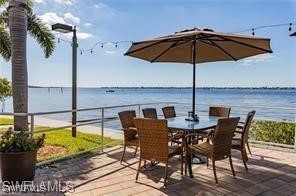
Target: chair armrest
178, 135
192, 134
129, 133
129, 129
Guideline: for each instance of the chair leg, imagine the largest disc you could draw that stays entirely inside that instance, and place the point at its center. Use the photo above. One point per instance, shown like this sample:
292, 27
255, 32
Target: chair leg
231, 165
166, 174
124, 147
214, 170
207, 162
249, 148
139, 167
136, 151
182, 164
243, 153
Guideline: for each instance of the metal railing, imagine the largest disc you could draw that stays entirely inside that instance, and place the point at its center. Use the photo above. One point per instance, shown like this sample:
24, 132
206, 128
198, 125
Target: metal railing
102, 111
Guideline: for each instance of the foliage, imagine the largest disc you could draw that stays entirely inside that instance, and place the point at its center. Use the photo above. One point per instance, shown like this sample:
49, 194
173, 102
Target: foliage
83, 141
5, 91
36, 29
19, 142
272, 131
6, 121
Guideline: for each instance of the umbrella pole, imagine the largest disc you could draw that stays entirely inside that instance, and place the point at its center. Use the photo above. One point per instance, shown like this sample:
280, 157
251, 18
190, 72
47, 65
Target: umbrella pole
193, 86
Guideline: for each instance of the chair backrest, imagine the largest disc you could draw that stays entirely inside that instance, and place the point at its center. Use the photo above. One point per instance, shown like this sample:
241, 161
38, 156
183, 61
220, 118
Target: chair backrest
223, 137
127, 118
150, 113
219, 111
153, 136
169, 112
247, 126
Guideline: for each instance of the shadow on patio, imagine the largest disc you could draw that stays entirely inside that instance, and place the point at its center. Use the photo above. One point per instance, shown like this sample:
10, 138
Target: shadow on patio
271, 172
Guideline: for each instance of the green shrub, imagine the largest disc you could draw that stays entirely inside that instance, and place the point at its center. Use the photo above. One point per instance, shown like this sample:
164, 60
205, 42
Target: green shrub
19, 142
272, 131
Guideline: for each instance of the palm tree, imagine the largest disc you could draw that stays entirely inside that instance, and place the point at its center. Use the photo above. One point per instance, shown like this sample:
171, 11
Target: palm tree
19, 18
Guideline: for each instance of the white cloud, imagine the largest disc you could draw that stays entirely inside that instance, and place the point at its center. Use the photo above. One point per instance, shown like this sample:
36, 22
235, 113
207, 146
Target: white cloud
103, 9
111, 52
100, 5
51, 18
87, 24
39, 1
66, 2
71, 18
257, 59
80, 35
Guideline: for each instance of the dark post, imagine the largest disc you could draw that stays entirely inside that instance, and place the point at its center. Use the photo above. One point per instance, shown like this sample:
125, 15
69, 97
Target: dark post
194, 67
74, 81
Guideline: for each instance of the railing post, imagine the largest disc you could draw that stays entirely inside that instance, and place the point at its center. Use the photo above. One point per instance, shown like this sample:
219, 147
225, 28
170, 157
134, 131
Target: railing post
139, 110
102, 130
32, 125
295, 138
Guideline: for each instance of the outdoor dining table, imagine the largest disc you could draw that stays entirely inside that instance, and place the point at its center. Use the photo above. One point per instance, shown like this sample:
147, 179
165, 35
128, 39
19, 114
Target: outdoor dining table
204, 123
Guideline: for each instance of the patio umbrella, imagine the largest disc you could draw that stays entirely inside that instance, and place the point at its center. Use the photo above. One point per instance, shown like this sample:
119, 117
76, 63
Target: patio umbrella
199, 46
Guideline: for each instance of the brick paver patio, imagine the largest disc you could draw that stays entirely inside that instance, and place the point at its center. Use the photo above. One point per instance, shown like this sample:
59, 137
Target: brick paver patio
271, 172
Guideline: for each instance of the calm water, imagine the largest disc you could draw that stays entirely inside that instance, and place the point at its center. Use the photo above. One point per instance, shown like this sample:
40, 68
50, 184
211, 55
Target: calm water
43, 99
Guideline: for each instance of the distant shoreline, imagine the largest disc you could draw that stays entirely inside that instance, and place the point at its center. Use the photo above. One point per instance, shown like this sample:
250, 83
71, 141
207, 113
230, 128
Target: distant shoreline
207, 88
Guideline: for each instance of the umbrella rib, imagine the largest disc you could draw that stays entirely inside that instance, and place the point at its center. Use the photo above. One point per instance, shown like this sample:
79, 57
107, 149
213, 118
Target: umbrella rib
245, 44
166, 50
224, 51
164, 40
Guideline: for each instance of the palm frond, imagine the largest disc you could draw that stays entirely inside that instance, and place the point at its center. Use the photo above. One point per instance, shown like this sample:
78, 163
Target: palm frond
3, 2
42, 34
4, 19
29, 7
5, 44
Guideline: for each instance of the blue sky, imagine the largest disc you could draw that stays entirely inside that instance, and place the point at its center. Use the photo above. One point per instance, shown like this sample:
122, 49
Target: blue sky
116, 20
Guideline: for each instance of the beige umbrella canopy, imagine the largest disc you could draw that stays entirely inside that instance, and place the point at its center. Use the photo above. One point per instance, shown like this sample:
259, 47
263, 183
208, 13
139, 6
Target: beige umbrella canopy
199, 46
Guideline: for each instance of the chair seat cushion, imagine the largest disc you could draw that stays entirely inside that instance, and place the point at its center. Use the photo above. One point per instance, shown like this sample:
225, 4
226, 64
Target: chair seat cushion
204, 148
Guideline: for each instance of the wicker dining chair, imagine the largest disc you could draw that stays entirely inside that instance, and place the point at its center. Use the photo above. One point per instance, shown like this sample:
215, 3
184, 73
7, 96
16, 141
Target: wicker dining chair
219, 111
241, 141
175, 135
169, 112
153, 136
149, 113
220, 148
129, 130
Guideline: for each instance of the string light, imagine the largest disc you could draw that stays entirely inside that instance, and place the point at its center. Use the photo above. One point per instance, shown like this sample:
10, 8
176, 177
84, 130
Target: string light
264, 27
116, 43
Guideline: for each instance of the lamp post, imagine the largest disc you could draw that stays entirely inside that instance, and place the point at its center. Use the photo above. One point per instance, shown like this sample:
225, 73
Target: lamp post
62, 28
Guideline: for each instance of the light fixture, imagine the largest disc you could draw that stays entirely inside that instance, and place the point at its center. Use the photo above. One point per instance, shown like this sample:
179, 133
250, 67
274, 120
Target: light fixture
62, 28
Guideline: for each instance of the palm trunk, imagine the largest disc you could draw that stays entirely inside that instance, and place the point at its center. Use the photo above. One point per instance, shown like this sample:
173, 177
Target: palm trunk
18, 35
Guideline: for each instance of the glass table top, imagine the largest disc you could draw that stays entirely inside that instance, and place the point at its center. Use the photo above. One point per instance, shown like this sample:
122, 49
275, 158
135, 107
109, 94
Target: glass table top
205, 122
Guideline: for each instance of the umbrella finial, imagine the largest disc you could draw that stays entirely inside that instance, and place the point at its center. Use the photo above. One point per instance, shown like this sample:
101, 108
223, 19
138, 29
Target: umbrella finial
187, 30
